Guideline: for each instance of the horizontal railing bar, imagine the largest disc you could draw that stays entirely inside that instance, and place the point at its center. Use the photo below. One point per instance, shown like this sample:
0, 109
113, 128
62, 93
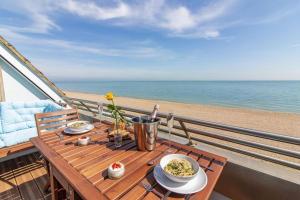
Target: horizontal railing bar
105, 111
245, 152
69, 99
252, 154
245, 131
234, 140
86, 105
264, 147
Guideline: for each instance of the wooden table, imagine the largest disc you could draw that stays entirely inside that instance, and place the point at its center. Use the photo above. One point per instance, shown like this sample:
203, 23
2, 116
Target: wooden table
82, 170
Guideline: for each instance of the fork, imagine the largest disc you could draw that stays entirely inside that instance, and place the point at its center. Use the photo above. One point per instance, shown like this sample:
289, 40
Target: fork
60, 135
150, 188
166, 195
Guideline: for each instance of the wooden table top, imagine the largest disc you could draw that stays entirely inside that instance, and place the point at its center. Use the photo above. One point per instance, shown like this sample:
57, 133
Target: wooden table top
85, 167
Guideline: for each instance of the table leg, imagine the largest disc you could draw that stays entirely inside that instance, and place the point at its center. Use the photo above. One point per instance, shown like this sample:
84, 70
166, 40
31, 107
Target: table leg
47, 185
54, 185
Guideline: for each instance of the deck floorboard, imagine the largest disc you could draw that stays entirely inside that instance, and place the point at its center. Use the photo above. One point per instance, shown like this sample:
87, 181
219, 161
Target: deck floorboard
23, 178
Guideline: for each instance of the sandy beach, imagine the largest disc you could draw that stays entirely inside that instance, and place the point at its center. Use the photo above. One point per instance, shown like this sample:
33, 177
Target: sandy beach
283, 123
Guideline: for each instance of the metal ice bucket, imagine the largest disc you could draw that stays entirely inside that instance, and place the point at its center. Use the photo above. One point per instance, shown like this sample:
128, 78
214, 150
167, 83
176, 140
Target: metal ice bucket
145, 132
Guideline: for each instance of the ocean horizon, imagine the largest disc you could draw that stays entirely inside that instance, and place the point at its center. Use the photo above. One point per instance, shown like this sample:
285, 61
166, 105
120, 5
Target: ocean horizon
278, 96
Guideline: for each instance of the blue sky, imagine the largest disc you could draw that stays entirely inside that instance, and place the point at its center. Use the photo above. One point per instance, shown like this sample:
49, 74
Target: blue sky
157, 39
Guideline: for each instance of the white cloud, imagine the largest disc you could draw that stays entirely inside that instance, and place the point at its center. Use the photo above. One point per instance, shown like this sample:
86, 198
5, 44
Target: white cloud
137, 50
36, 12
92, 10
201, 33
156, 14
178, 19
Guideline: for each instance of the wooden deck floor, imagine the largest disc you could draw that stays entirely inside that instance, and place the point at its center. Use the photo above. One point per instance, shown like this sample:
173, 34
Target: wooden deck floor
23, 178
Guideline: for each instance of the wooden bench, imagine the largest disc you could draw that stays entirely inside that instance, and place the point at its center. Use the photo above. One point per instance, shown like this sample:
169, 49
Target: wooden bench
7, 151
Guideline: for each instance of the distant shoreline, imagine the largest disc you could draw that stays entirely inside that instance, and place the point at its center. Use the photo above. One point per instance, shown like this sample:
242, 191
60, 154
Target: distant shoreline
180, 102
273, 96
191, 103
277, 122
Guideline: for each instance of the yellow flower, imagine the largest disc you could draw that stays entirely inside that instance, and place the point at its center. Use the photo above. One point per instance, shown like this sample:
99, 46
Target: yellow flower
109, 96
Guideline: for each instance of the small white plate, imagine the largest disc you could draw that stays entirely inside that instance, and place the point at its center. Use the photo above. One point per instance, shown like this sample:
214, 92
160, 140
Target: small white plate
88, 128
195, 185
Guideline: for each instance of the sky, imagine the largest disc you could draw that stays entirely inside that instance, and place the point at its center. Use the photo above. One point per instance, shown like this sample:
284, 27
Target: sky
156, 39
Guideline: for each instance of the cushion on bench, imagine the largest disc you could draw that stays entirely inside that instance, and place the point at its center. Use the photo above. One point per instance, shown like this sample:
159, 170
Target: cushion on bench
18, 122
1, 143
18, 137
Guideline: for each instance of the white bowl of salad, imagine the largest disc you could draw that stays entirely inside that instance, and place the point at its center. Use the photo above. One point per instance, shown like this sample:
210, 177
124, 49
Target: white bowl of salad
78, 125
179, 167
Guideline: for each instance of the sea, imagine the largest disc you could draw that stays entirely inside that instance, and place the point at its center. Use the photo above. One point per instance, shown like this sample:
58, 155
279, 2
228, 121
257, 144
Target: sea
279, 96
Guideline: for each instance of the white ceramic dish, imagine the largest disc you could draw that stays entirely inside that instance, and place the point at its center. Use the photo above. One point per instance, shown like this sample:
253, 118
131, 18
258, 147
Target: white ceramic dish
116, 173
166, 159
83, 141
197, 184
88, 128
81, 128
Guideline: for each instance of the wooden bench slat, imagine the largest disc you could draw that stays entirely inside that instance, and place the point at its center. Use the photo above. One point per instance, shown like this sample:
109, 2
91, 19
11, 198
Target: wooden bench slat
5, 151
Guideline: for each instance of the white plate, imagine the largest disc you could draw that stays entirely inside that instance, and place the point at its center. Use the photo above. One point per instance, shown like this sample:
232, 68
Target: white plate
83, 127
195, 185
88, 128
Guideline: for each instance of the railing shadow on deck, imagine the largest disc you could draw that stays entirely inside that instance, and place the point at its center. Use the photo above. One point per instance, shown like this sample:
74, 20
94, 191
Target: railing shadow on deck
13, 168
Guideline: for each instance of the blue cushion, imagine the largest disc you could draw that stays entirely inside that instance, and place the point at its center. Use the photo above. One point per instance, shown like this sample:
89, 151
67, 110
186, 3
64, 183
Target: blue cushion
52, 108
20, 115
17, 137
2, 144
17, 122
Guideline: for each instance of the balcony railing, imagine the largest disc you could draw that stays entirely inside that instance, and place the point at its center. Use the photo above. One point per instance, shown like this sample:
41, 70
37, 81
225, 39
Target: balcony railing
191, 129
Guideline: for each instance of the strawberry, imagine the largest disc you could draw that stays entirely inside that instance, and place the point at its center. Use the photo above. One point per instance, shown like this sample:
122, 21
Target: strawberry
116, 166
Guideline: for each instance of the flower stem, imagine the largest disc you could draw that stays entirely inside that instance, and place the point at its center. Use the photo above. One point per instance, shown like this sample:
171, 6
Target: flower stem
116, 115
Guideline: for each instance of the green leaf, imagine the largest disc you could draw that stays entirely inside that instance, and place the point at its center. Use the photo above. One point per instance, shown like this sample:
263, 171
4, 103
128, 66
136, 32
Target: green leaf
111, 107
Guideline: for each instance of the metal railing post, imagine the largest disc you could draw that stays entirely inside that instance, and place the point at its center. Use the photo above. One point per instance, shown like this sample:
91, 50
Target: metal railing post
88, 108
188, 136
